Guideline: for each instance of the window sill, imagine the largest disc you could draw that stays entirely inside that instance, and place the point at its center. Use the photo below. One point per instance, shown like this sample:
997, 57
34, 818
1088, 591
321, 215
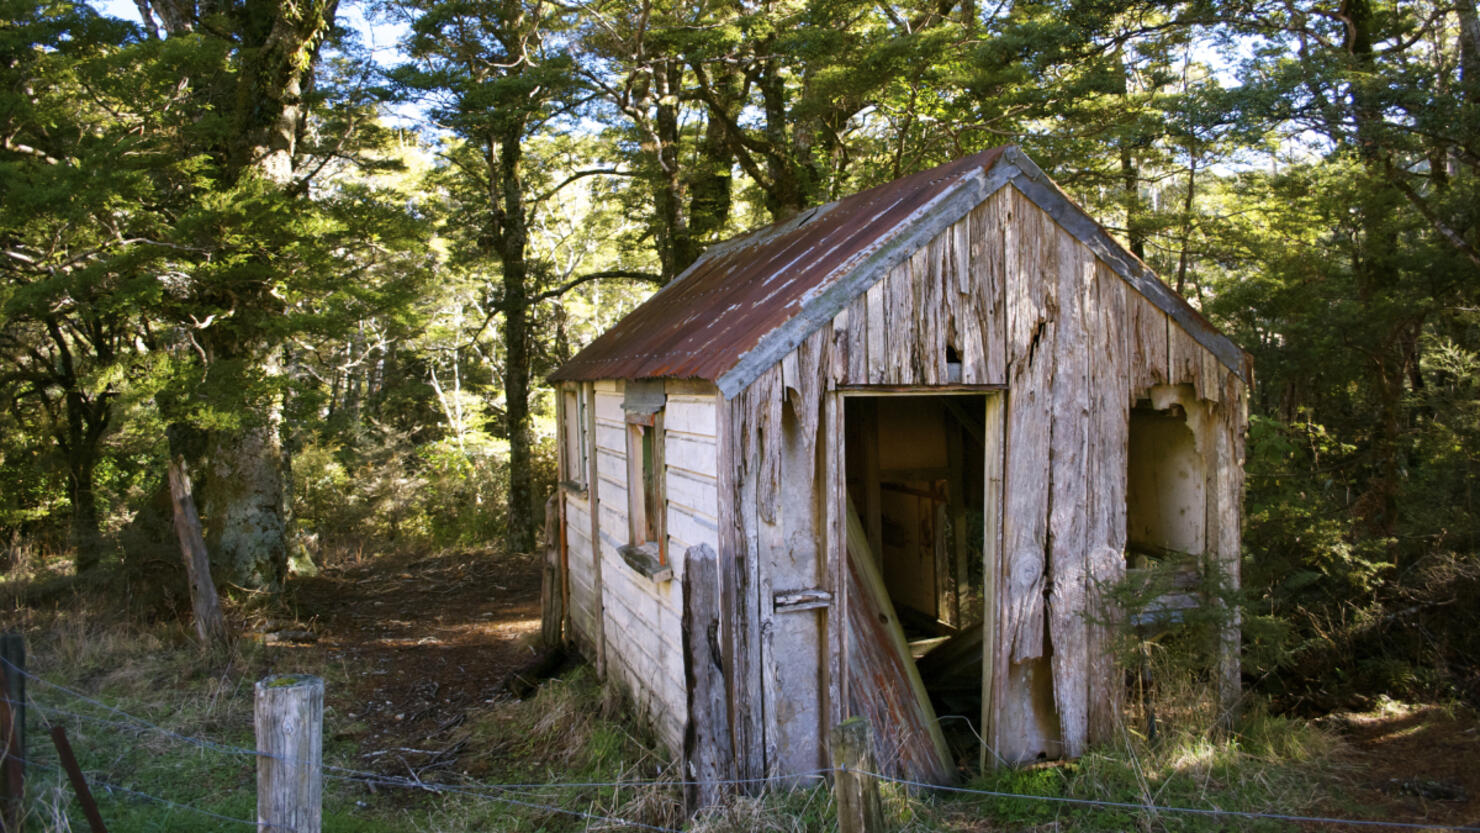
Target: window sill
644, 559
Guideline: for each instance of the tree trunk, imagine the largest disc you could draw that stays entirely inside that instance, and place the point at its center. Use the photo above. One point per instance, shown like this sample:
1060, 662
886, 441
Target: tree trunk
86, 536
244, 498
513, 240
1376, 268
1469, 51
210, 625
668, 197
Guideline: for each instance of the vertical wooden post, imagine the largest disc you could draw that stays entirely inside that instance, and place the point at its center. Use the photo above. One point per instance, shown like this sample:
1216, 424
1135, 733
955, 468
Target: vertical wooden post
210, 625
709, 756
290, 746
994, 656
552, 597
12, 729
857, 794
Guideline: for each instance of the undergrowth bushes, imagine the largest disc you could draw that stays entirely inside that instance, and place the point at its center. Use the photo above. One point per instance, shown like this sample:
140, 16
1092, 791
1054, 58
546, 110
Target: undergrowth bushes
396, 494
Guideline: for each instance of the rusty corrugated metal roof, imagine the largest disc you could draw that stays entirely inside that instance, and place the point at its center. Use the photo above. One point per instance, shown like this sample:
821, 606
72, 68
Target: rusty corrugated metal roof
706, 320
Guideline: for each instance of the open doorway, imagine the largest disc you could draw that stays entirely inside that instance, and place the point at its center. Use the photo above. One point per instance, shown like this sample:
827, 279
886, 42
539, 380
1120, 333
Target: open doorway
915, 475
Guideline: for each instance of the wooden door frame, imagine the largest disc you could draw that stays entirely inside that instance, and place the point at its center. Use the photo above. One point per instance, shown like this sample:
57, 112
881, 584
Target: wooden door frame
994, 459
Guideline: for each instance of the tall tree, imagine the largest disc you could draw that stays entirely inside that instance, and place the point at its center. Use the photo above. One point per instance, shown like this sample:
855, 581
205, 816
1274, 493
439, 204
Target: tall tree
253, 106
76, 183
497, 76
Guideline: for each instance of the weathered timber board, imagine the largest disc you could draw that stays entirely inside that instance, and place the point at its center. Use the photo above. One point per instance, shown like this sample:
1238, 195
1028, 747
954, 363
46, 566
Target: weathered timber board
884, 687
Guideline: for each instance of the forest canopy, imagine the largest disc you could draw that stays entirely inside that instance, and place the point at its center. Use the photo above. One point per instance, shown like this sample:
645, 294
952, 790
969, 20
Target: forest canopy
218, 246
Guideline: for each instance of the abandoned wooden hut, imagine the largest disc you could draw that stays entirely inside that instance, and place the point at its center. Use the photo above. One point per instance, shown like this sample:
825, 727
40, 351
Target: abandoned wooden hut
918, 431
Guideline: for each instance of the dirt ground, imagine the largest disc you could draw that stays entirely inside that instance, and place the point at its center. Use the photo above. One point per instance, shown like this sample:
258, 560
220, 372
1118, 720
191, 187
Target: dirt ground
1417, 764
416, 643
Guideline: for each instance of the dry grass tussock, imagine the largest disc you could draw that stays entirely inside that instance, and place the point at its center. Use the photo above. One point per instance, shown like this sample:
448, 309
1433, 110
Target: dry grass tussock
775, 811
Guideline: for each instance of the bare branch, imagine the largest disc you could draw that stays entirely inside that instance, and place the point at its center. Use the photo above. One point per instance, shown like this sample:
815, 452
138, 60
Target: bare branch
624, 274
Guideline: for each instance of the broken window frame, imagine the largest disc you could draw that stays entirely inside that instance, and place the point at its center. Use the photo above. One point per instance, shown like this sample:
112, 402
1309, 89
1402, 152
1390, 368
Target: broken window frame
645, 496
575, 452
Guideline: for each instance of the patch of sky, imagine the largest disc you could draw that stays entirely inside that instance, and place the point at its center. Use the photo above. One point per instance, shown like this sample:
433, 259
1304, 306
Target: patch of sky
375, 33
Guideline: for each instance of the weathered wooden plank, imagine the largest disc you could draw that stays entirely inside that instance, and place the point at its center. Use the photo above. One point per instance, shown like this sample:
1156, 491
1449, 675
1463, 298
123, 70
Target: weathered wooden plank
1225, 500
746, 708
794, 663
901, 322
1109, 441
992, 248
1146, 343
1031, 307
1027, 728
691, 527
1184, 359
960, 291
611, 437
608, 406
995, 655
612, 466
1211, 378
933, 322
1069, 475
690, 415
835, 552
689, 387
765, 399
878, 333
838, 333
709, 753
1042, 192
695, 454
699, 494
858, 342
596, 494
884, 686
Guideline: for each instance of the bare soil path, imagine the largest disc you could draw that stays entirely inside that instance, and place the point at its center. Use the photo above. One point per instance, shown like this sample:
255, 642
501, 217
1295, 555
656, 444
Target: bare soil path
411, 643
1415, 764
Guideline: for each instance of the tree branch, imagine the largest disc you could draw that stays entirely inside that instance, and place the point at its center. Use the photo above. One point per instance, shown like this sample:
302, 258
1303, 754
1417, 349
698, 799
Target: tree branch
580, 175
625, 274
1455, 238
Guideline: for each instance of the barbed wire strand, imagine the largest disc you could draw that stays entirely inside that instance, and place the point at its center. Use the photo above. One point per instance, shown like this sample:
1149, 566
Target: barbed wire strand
493, 791
176, 805
130, 721
408, 783
1155, 808
142, 725
366, 778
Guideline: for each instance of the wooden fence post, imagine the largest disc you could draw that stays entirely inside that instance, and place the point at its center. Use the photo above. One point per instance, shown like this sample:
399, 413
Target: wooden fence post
709, 756
856, 793
290, 747
12, 729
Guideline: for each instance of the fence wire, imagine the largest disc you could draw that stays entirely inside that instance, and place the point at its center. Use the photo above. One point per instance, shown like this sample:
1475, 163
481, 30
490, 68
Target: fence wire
500, 792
